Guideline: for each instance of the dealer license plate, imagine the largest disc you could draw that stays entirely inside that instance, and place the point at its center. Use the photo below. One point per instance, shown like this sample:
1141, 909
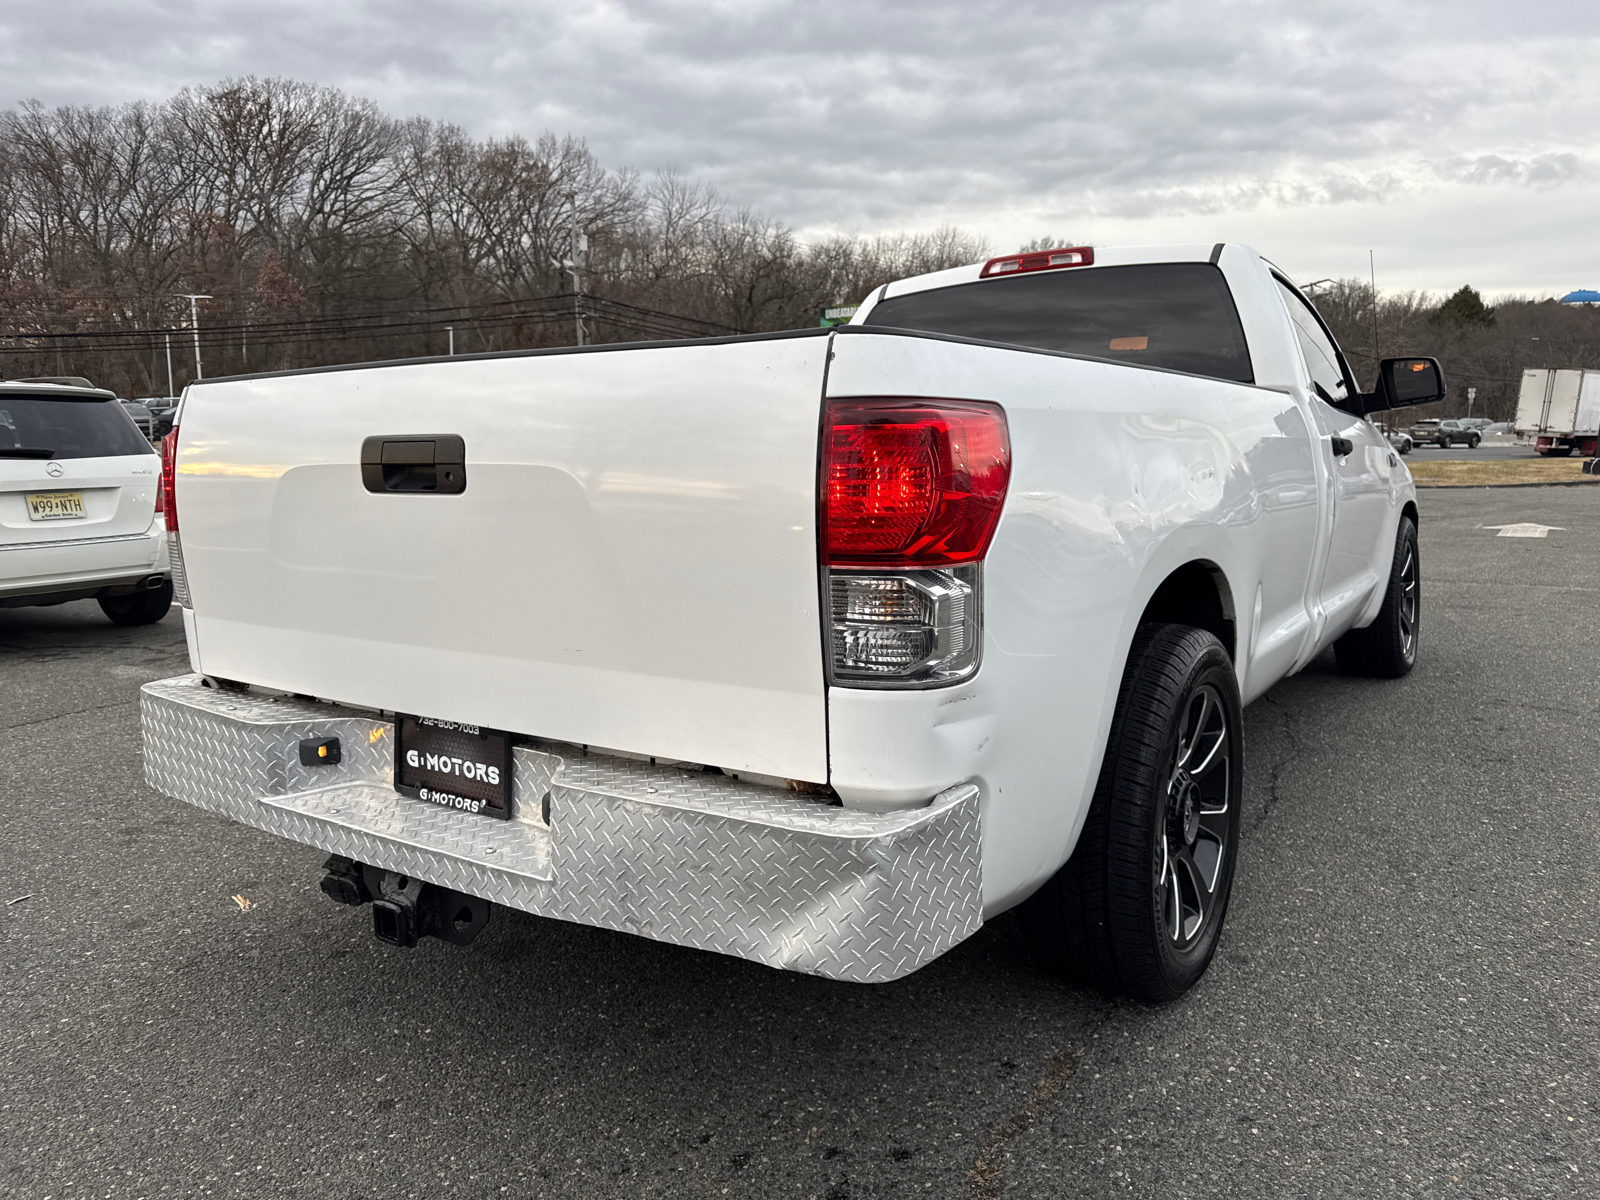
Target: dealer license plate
461, 767
54, 506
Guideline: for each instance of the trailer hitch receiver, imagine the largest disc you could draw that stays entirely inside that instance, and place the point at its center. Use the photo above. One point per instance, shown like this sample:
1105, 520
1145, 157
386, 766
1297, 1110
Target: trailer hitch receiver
404, 908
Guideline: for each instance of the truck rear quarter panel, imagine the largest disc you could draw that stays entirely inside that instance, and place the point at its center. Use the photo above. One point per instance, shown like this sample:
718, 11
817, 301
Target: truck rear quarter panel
1119, 477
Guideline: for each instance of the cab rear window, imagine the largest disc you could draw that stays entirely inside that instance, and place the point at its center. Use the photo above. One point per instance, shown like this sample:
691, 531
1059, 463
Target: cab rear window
1180, 316
32, 425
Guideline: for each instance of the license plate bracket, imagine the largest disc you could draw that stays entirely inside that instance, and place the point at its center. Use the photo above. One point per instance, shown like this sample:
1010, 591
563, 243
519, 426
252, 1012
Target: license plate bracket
462, 767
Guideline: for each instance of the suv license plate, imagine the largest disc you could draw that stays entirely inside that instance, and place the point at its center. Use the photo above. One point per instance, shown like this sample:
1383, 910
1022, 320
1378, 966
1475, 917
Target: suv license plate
456, 766
55, 506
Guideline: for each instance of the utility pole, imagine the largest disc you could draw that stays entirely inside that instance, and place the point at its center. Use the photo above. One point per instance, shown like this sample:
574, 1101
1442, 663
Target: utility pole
194, 323
1372, 268
576, 265
169, 364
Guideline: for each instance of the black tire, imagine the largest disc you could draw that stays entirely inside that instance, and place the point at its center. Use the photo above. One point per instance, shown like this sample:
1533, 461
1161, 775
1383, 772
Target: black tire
1129, 911
139, 608
1443, 443
1472, 442
1387, 649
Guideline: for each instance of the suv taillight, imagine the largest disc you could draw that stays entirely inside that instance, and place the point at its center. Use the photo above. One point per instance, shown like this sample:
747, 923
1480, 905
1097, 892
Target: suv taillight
166, 499
911, 492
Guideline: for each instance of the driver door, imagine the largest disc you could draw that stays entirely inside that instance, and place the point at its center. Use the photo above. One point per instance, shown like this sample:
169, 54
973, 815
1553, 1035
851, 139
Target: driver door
1361, 471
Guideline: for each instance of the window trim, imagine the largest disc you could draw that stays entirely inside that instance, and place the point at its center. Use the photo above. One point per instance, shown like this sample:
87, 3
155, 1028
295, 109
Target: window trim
867, 322
1350, 387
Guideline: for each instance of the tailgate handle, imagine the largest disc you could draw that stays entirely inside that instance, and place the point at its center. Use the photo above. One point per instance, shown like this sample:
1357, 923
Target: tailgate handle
415, 462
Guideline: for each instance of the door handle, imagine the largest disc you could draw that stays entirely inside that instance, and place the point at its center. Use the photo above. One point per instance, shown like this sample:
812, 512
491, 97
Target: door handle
416, 462
1341, 446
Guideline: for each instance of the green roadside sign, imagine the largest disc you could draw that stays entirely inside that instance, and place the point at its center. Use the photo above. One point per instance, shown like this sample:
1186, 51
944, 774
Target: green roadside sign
838, 315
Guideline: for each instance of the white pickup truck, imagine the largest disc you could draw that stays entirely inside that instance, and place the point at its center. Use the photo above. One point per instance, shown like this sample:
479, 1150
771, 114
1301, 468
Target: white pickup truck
817, 648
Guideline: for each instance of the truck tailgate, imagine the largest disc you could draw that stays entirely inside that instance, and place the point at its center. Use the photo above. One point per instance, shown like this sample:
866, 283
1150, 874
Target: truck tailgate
632, 563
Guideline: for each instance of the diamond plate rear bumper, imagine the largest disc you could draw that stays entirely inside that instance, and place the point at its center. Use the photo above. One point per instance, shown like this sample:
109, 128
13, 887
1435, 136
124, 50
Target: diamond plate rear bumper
697, 860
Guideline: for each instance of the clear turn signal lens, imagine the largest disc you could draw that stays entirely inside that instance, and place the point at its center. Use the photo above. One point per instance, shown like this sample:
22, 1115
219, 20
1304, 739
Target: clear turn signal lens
904, 628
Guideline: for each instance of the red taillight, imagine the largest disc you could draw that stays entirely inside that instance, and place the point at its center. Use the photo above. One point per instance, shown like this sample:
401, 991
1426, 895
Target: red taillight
912, 483
166, 499
1042, 260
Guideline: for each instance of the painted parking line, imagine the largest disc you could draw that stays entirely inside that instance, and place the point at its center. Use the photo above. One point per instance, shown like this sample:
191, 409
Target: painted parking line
1524, 529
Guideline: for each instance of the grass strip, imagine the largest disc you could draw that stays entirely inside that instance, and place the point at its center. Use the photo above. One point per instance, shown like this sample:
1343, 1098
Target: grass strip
1506, 470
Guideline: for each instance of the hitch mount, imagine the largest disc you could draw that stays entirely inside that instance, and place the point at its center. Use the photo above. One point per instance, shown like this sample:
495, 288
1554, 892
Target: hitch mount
404, 908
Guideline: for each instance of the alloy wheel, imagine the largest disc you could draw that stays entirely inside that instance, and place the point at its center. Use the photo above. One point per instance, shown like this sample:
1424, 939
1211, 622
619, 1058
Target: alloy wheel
1408, 602
1194, 835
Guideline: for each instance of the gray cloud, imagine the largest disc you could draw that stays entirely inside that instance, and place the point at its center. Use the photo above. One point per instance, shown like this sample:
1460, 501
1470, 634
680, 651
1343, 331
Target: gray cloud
872, 116
1541, 171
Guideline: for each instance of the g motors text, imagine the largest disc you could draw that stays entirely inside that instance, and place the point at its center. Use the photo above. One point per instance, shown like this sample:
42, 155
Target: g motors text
446, 765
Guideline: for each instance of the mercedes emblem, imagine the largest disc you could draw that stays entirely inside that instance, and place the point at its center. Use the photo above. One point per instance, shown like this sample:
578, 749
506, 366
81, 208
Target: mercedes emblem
54, 469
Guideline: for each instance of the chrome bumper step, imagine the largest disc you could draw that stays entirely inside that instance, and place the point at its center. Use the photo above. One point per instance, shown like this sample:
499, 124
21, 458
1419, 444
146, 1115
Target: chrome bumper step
679, 856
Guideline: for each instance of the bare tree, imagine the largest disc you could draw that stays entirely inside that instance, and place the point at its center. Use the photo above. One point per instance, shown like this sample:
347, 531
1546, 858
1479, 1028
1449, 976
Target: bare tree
326, 231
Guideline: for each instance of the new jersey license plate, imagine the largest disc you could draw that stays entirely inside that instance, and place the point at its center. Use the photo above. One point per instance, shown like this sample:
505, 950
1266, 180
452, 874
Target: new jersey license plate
462, 767
54, 506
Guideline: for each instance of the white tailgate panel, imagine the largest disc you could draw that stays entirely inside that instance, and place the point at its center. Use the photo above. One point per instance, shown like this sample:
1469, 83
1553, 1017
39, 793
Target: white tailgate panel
633, 563
119, 497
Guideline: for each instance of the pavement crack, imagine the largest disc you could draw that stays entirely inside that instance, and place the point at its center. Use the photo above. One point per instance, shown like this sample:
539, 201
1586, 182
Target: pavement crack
985, 1173
77, 712
1275, 769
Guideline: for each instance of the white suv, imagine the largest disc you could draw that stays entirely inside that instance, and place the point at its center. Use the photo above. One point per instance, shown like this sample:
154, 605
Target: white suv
80, 511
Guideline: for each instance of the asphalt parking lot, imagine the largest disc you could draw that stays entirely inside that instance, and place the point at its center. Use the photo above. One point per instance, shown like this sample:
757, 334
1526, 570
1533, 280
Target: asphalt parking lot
1406, 1001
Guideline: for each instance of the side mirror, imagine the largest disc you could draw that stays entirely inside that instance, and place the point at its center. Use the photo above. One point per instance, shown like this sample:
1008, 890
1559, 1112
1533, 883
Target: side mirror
1403, 382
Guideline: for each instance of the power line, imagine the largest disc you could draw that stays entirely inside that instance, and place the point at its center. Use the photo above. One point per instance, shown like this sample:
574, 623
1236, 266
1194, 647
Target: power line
253, 327
651, 322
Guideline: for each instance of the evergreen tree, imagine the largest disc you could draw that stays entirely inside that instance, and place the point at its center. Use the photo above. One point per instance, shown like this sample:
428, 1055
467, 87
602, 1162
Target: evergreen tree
1466, 307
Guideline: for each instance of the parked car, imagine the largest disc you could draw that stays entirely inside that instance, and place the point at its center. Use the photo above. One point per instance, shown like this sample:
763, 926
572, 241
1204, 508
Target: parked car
142, 417
1478, 423
819, 647
162, 410
1444, 434
80, 512
1399, 440
1496, 429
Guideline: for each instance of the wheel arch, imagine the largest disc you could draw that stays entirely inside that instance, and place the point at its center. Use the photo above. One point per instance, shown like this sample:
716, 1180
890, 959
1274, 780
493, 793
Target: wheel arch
1197, 593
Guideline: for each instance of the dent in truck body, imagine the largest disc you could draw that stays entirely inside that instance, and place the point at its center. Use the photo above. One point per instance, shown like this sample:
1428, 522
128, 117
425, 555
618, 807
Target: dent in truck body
1108, 497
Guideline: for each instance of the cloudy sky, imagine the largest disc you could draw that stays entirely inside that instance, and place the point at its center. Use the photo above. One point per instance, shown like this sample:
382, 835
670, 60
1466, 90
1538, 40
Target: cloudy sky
1459, 141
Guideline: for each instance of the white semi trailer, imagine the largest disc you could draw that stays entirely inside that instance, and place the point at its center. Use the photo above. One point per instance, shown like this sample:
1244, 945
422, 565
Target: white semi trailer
1560, 410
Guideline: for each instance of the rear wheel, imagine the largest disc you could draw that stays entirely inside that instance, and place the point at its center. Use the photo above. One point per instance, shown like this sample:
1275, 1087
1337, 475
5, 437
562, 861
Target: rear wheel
1139, 906
140, 608
1472, 442
1387, 649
